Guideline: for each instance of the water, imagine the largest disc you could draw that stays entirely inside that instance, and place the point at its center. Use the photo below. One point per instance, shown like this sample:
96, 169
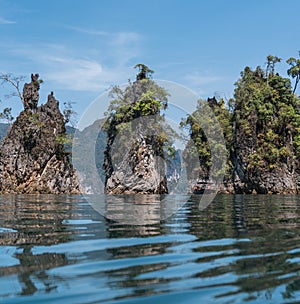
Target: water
58, 249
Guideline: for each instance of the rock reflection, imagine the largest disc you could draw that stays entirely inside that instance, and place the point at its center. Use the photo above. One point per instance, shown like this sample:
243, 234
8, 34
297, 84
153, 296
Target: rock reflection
238, 215
269, 225
133, 216
137, 209
36, 220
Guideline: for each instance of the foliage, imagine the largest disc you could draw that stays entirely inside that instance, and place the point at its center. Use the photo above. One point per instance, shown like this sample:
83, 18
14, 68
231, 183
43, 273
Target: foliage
69, 114
294, 70
202, 124
35, 119
266, 118
63, 139
6, 115
261, 123
144, 71
141, 102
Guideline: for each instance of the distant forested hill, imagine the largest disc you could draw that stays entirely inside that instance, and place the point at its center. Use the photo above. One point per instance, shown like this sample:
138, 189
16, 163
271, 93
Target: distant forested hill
3, 130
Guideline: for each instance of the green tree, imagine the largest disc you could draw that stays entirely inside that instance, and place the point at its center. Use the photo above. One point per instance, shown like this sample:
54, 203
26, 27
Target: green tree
199, 147
271, 61
294, 70
144, 71
7, 116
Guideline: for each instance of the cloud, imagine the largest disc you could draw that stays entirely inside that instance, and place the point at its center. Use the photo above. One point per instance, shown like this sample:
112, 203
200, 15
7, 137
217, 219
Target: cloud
203, 83
79, 74
74, 68
88, 31
117, 37
197, 79
6, 21
123, 45
74, 73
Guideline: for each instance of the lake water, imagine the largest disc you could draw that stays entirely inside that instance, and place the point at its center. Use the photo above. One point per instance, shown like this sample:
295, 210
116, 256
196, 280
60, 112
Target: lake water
58, 249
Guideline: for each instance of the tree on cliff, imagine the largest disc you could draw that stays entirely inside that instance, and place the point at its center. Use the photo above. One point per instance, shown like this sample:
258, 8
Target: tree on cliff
144, 72
16, 82
294, 70
199, 147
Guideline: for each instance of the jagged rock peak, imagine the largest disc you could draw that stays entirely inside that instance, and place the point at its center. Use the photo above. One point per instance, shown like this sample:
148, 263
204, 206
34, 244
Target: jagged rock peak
31, 93
32, 156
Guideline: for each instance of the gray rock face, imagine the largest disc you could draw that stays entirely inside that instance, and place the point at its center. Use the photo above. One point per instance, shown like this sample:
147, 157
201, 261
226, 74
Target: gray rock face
32, 157
278, 181
135, 163
283, 179
141, 171
31, 93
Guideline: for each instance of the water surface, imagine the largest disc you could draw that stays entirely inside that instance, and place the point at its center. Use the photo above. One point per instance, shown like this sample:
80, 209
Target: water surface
58, 249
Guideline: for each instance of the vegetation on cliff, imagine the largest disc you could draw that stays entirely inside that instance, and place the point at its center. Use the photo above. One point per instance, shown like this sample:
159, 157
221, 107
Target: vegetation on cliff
32, 155
134, 125
261, 126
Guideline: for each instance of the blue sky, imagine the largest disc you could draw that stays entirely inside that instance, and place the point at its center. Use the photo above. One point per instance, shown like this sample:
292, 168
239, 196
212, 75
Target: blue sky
81, 48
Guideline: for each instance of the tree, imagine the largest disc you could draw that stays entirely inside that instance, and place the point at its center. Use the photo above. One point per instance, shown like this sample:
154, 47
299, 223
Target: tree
271, 61
144, 72
15, 82
69, 113
294, 70
199, 146
6, 114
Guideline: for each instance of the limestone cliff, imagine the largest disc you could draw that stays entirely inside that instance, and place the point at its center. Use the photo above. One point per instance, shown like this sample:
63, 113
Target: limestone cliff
133, 159
140, 171
251, 175
32, 157
283, 179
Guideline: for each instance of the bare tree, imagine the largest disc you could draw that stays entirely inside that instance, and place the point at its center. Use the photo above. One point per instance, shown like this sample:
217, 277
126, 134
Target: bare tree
70, 116
15, 82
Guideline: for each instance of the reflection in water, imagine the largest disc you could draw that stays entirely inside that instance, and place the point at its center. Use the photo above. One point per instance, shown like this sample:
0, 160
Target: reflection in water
34, 220
59, 249
137, 209
269, 256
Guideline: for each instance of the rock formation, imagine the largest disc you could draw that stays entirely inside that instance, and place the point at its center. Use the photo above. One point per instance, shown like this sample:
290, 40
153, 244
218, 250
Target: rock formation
133, 161
283, 179
140, 171
251, 177
32, 156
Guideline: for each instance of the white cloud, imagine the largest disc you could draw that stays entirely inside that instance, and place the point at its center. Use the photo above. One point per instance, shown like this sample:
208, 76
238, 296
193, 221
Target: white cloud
203, 83
120, 38
88, 31
74, 73
6, 21
123, 46
197, 79
74, 67
79, 74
